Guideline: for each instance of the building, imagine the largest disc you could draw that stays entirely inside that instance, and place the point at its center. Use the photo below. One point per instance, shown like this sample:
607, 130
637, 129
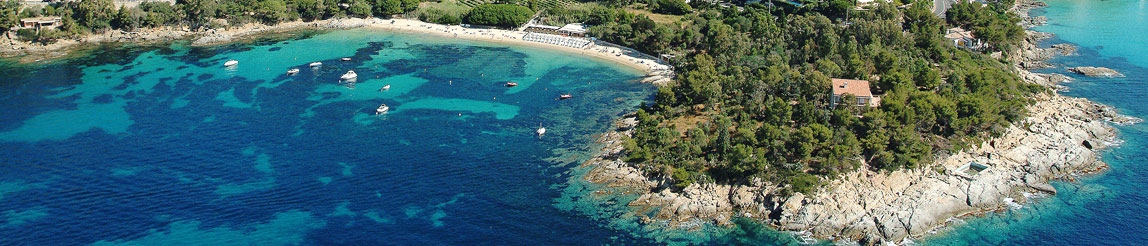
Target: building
858, 88
964, 39
573, 29
49, 22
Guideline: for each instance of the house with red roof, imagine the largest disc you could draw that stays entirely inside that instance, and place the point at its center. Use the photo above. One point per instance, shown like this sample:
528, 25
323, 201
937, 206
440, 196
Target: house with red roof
858, 88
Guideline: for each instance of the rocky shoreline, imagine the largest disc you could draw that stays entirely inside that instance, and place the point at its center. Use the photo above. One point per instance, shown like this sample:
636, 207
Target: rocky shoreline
1060, 139
31, 52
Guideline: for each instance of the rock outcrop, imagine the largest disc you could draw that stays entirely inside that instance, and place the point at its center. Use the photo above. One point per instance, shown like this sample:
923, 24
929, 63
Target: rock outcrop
1096, 72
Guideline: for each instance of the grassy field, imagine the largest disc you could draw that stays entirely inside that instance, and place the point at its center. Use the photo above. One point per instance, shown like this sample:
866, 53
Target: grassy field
659, 18
453, 7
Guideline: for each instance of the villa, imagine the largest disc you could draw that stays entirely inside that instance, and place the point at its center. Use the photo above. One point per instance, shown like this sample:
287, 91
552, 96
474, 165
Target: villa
857, 88
964, 39
48, 22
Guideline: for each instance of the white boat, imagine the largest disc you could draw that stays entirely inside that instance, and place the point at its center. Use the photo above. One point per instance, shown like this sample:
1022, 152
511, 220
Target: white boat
541, 130
346, 59
349, 75
230, 63
386, 87
315, 64
293, 71
382, 109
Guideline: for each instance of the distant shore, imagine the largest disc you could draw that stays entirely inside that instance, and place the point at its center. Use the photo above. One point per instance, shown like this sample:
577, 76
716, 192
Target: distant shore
1060, 139
656, 71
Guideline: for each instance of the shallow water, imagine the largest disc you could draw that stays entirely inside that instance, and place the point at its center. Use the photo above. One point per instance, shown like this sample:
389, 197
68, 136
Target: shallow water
163, 145
1110, 208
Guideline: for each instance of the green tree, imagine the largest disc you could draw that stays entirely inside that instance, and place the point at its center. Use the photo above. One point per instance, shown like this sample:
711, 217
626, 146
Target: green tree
674, 7
504, 15
386, 8
197, 13
96, 15
410, 5
9, 10
272, 11
309, 9
128, 18
360, 8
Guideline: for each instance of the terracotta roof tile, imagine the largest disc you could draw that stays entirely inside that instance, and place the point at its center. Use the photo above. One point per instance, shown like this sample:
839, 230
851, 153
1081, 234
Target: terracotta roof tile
856, 87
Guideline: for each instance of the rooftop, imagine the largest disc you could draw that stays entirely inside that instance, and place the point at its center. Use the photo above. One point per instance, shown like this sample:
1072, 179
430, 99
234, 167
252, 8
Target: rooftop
542, 26
41, 19
574, 27
858, 88
957, 32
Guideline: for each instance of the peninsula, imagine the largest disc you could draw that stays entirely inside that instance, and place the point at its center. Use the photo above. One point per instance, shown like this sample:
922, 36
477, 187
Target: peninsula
885, 169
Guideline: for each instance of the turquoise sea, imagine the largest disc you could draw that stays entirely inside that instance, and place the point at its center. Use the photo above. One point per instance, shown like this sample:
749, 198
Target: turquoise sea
1106, 209
163, 145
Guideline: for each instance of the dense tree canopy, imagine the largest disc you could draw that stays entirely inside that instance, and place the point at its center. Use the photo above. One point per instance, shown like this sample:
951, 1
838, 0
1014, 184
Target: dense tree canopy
9, 12
752, 91
504, 15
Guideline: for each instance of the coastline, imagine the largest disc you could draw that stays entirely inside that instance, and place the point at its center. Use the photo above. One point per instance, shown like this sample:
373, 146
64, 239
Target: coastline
1060, 139
656, 71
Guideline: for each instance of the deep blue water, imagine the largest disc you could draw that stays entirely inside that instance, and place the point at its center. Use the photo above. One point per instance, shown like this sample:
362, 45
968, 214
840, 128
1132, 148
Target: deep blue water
162, 145
1110, 208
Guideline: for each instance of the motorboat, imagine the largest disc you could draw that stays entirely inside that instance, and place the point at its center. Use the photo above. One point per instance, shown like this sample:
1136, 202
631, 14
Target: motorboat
382, 109
541, 130
315, 64
565, 96
346, 59
293, 71
349, 75
385, 88
230, 63
511, 84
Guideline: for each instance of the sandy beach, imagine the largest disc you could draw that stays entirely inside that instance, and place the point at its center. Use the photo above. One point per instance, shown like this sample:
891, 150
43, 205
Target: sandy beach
658, 71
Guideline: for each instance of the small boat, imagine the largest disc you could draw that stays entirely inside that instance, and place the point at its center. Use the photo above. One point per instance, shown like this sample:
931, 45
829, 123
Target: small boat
382, 109
293, 71
511, 84
541, 130
385, 88
230, 63
565, 96
346, 59
315, 64
349, 75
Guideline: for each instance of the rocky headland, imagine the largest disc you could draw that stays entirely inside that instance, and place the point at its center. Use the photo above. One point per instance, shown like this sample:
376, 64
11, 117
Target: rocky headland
1060, 139
29, 51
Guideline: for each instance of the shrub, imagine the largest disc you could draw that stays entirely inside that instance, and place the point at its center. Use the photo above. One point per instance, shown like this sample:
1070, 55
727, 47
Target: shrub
676, 7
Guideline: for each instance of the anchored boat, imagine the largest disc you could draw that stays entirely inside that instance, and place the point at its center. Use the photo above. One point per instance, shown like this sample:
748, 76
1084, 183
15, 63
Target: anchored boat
382, 109
230, 63
293, 71
349, 75
315, 64
511, 84
541, 130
